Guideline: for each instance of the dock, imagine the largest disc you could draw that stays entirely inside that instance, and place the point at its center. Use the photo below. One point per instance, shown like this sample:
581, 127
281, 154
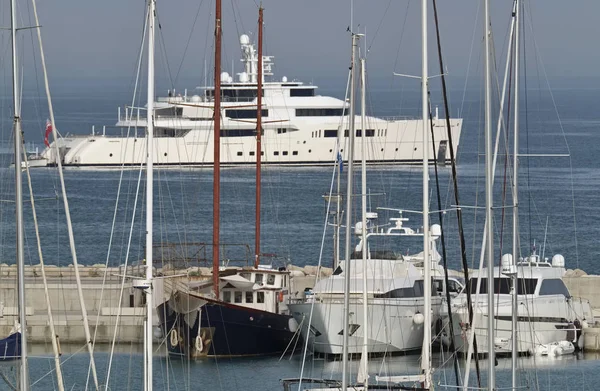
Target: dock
109, 301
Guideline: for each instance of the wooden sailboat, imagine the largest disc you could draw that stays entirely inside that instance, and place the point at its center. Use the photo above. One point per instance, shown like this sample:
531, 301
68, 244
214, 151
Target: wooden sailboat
241, 312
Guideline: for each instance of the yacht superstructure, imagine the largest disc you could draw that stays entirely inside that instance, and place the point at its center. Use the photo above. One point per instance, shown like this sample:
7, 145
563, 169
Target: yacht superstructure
300, 127
547, 312
395, 298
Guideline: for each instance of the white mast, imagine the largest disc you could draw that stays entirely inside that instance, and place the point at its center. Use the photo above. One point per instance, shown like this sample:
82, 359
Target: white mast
149, 198
24, 376
426, 352
515, 238
489, 197
349, 217
364, 371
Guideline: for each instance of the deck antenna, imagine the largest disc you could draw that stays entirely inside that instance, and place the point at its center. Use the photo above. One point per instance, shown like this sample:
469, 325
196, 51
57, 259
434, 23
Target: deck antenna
545, 235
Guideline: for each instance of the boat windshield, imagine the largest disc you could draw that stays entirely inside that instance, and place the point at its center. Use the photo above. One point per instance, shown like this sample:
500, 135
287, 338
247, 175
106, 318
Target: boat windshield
526, 286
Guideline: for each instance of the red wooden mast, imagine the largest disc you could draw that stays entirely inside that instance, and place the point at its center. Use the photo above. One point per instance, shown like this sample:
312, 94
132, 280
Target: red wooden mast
258, 135
217, 151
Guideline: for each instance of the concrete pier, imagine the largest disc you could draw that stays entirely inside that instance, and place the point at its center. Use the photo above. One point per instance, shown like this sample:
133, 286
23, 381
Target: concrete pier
106, 297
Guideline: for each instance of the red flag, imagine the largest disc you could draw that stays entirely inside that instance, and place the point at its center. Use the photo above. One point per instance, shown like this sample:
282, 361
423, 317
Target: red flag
48, 131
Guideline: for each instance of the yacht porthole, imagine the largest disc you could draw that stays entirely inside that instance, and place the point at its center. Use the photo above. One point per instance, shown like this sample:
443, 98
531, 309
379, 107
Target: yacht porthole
110, 155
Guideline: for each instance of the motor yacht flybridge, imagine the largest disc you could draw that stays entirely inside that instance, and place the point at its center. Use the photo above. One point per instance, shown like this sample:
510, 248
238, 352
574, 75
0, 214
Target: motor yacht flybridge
300, 127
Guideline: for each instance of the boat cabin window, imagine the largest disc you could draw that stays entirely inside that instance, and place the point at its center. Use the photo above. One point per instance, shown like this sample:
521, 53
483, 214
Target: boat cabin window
245, 275
369, 133
454, 286
169, 132
233, 94
302, 92
526, 286
169, 112
321, 112
245, 113
554, 286
237, 297
249, 297
239, 132
271, 279
330, 133
415, 291
258, 278
227, 296
260, 297
338, 270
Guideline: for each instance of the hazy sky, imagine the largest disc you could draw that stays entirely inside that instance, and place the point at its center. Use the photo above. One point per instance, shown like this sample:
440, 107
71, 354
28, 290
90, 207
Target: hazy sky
100, 39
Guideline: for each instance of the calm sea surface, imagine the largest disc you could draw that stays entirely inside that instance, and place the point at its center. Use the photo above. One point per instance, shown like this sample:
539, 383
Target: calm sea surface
558, 214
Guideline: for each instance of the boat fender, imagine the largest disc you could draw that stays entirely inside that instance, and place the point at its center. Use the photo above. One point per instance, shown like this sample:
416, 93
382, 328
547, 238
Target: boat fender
173, 337
198, 344
418, 318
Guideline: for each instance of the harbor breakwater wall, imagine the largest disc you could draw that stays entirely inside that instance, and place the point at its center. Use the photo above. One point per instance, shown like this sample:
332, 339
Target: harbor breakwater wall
109, 301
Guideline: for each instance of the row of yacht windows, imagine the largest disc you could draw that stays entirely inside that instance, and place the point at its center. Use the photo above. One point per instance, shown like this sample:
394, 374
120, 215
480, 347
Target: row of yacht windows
235, 94
248, 94
321, 112
275, 153
251, 113
302, 92
259, 278
245, 113
243, 297
525, 286
334, 133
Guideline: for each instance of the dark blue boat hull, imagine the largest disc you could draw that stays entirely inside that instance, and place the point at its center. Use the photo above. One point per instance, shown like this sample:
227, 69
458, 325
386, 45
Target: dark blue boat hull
10, 347
226, 330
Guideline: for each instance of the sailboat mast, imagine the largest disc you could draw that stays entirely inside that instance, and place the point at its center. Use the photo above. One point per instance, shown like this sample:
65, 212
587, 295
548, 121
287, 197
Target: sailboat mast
365, 296
489, 198
217, 151
426, 352
349, 216
149, 194
515, 238
258, 135
19, 199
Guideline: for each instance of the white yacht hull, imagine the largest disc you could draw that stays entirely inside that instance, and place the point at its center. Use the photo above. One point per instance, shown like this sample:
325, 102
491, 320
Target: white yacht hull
392, 327
542, 320
394, 141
